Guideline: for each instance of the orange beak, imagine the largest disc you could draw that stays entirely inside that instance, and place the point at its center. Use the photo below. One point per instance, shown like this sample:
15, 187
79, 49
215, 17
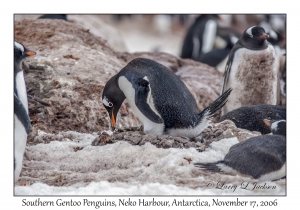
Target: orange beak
113, 121
30, 53
267, 122
264, 36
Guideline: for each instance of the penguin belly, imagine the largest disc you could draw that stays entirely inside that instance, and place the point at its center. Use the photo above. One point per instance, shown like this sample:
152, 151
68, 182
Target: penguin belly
20, 143
274, 175
189, 132
209, 36
129, 92
253, 78
21, 89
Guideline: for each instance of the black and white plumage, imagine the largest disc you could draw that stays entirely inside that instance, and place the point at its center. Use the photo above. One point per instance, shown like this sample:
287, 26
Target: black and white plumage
251, 71
251, 117
261, 157
159, 99
200, 37
219, 55
21, 118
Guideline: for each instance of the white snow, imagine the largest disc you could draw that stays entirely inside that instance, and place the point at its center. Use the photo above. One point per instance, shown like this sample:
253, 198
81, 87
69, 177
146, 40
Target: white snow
124, 169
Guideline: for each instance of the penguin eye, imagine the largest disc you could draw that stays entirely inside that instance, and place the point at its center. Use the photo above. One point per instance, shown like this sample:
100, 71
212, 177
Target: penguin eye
106, 102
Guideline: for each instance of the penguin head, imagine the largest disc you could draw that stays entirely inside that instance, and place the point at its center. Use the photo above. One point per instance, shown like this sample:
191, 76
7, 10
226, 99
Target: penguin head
112, 99
277, 127
20, 52
255, 37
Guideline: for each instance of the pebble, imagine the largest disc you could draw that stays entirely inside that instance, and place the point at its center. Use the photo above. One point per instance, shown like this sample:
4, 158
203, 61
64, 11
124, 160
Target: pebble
214, 132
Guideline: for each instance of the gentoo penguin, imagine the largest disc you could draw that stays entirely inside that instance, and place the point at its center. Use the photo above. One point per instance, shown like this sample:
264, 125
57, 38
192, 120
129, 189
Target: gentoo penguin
251, 117
159, 99
54, 16
200, 37
21, 118
251, 71
262, 157
217, 55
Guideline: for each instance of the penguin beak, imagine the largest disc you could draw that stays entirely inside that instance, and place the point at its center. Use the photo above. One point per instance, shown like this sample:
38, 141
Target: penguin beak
30, 53
264, 36
267, 122
113, 121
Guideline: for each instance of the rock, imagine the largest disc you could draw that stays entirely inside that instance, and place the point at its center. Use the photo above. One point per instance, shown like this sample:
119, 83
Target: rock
73, 88
102, 139
225, 129
133, 137
167, 143
100, 28
182, 140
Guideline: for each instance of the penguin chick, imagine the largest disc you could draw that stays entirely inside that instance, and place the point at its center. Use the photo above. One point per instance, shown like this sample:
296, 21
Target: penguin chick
261, 157
251, 71
21, 118
159, 99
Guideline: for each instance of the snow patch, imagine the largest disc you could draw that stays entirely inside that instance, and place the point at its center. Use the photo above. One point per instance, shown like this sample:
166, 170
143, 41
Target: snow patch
72, 166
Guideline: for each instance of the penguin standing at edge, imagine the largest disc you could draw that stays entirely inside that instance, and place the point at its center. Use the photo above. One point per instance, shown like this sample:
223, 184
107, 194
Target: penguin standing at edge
262, 157
200, 37
21, 118
159, 99
251, 71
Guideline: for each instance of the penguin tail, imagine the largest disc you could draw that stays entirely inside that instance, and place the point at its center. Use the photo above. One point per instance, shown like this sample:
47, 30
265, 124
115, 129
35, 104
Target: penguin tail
209, 166
215, 108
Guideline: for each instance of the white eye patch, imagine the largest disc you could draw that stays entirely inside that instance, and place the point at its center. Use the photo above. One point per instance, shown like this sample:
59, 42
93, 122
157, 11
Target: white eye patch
249, 31
19, 46
275, 125
106, 102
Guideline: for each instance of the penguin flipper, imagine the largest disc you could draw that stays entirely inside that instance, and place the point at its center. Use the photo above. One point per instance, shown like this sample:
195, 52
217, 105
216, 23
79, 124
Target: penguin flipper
229, 64
21, 113
142, 100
